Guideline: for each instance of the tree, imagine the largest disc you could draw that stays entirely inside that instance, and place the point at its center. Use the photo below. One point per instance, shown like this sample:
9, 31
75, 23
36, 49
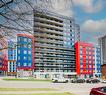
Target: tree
16, 16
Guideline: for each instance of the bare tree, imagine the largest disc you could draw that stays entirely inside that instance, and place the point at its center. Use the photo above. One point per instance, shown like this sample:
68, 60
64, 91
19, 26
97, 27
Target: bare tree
16, 16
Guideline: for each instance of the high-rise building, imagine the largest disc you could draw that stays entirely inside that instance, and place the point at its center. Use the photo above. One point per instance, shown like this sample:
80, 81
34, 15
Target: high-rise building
54, 39
25, 55
11, 58
97, 62
102, 43
77, 32
85, 59
3, 56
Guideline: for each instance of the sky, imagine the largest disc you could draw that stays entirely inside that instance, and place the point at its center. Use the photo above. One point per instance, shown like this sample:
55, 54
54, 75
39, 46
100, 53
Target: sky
89, 14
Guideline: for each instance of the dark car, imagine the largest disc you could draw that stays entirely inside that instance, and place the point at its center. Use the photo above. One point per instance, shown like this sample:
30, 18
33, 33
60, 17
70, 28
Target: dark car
78, 81
92, 81
98, 91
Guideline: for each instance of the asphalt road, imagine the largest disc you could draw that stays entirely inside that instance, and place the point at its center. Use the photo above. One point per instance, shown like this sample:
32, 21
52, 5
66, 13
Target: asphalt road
76, 88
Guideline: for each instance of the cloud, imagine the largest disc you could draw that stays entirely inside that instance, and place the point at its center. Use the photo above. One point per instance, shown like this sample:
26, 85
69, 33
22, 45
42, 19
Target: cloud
94, 26
63, 7
89, 6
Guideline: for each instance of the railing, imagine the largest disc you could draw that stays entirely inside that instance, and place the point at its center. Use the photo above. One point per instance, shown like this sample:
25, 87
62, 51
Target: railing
49, 26
48, 36
49, 31
49, 21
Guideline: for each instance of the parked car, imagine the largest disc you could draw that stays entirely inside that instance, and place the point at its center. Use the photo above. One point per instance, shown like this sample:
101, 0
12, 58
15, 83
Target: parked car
103, 81
91, 80
60, 80
98, 91
78, 80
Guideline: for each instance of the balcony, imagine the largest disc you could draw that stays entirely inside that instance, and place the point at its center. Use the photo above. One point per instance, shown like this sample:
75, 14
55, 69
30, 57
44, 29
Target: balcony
48, 17
49, 41
45, 30
48, 21
53, 47
48, 26
48, 36
53, 52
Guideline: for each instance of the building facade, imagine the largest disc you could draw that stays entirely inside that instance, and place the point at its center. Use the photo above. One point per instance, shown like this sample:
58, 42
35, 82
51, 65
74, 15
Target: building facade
102, 43
3, 56
97, 62
54, 40
85, 59
11, 58
25, 55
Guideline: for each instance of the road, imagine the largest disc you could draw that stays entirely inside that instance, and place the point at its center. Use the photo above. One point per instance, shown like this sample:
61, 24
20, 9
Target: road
76, 88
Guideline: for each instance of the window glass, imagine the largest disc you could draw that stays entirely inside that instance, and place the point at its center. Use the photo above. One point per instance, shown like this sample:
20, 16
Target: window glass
25, 64
29, 64
25, 39
25, 52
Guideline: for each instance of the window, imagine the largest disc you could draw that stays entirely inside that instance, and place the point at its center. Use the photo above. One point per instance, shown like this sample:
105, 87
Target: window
89, 52
29, 64
19, 39
25, 64
80, 47
18, 51
29, 58
25, 52
29, 40
18, 57
29, 52
29, 46
25, 39
18, 63
25, 58
80, 51
89, 57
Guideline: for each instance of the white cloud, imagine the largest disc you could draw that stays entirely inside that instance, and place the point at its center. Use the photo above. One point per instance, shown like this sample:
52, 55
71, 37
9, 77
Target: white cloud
94, 26
88, 5
63, 7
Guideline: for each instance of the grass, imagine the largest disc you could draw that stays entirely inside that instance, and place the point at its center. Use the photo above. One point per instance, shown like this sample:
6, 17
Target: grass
42, 94
30, 79
27, 89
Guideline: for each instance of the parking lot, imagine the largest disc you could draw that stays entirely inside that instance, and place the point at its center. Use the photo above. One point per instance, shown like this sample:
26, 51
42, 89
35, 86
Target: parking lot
75, 88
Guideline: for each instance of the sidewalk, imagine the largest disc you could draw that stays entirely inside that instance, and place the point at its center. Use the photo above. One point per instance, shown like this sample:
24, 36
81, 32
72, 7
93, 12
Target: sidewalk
28, 92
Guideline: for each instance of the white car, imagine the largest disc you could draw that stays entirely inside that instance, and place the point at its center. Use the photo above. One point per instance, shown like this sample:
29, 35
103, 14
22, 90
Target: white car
103, 81
60, 80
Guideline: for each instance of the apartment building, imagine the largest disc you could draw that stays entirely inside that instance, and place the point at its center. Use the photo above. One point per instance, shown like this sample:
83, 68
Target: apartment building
3, 56
85, 59
97, 62
12, 58
54, 44
102, 43
25, 55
